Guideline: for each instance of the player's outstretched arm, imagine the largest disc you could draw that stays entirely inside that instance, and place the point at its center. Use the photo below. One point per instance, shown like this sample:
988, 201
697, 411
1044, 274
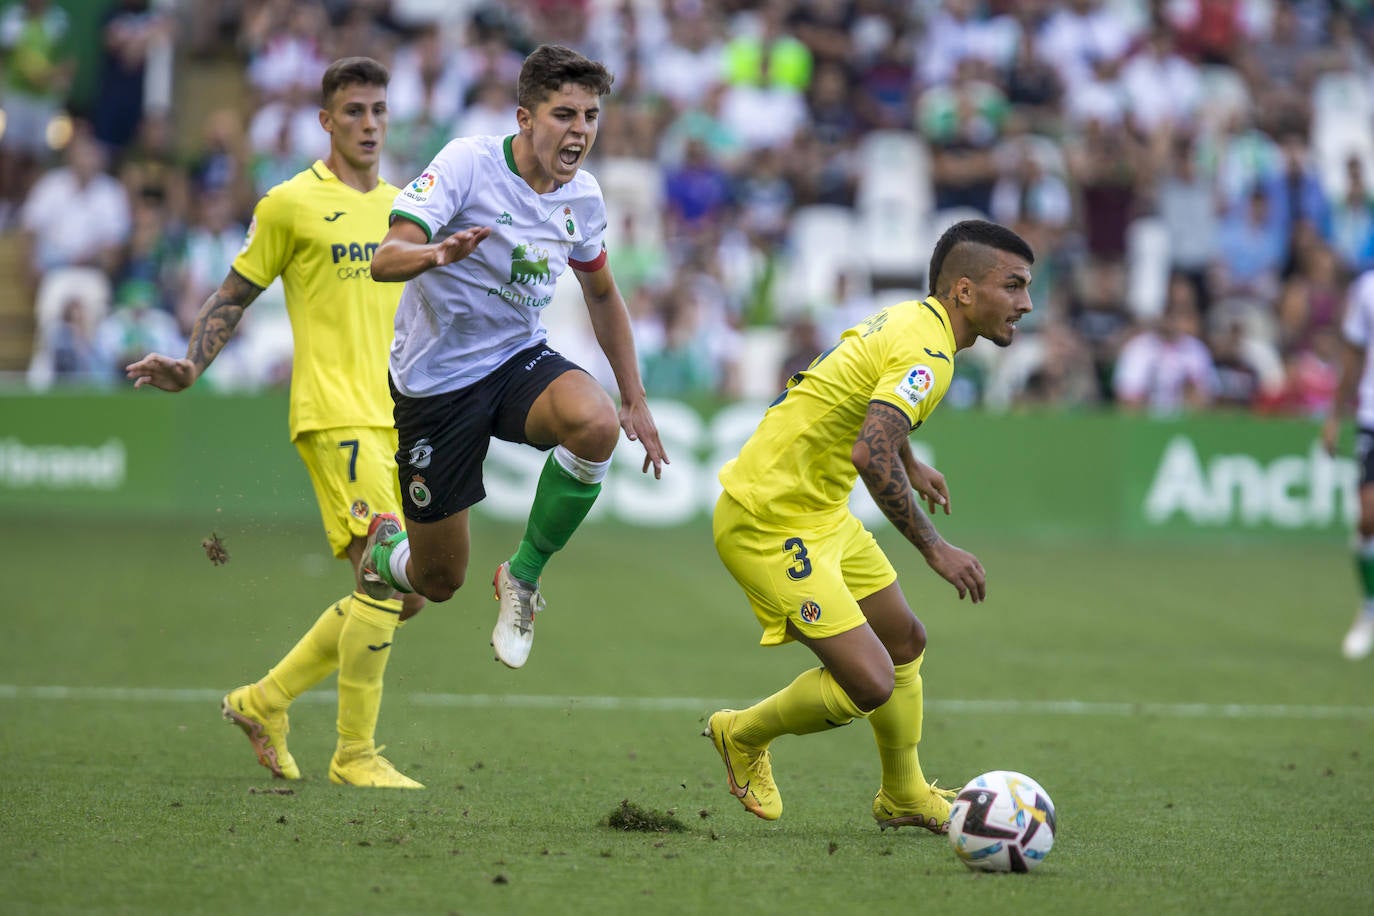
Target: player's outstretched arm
610, 319
218, 319
405, 252
877, 455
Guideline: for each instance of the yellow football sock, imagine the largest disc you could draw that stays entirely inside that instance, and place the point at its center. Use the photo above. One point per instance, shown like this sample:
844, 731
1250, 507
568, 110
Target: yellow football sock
364, 647
310, 661
813, 702
897, 730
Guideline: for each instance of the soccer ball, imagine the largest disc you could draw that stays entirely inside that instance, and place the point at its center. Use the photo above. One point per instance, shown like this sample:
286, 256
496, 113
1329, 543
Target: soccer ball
1002, 821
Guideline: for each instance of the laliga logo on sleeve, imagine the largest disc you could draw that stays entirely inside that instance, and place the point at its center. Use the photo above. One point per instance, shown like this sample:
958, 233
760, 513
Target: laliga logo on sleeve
419, 188
917, 384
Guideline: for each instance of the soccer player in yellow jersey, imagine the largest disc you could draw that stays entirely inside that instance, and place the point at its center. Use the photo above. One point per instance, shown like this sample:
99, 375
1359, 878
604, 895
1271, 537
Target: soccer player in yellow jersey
317, 231
811, 570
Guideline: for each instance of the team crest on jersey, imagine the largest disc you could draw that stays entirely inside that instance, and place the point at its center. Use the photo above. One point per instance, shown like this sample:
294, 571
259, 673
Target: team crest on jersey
529, 264
419, 189
568, 223
417, 491
360, 510
810, 611
917, 384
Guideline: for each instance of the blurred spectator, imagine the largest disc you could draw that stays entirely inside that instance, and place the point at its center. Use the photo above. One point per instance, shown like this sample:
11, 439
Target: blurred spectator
1163, 89
1311, 298
1052, 367
1186, 202
963, 123
1313, 373
1097, 314
768, 72
1352, 220
72, 345
427, 83
130, 31
1167, 369
1079, 35
1244, 379
692, 60
153, 253
213, 241
37, 74
804, 344
959, 31
1026, 190
76, 215
697, 192
221, 161
135, 326
764, 196
886, 87
153, 167
1106, 162
1296, 189
1033, 89
1252, 245
490, 113
285, 47
824, 27
1212, 31
682, 366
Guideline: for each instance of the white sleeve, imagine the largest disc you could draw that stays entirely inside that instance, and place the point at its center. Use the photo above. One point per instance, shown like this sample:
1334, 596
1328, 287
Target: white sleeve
438, 193
1355, 325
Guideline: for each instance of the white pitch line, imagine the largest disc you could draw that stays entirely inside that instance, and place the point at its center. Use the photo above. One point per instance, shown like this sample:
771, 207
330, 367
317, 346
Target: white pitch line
703, 704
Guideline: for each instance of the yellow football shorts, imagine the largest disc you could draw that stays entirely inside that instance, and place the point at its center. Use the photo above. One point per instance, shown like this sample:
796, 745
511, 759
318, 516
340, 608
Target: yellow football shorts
813, 575
353, 470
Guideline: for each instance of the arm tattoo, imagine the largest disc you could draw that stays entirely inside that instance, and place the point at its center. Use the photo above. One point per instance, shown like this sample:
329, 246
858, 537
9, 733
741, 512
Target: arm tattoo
884, 432
218, 318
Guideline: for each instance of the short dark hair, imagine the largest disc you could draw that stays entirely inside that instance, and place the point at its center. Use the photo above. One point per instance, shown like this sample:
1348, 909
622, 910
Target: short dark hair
351, 71
550, 67
950, 261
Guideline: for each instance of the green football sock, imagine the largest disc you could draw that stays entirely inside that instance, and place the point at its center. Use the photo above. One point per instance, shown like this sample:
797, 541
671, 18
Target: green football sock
561, 502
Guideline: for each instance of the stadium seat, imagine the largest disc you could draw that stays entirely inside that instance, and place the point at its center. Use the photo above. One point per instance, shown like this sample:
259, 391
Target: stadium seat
88, 286
821, 244
1342, 126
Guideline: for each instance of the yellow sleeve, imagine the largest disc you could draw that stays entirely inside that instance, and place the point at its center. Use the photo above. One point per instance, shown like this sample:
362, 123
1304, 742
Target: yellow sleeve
270, 242
913, 378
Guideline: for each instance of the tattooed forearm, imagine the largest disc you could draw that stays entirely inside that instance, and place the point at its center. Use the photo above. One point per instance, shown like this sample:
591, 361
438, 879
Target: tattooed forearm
878, 456
218, 319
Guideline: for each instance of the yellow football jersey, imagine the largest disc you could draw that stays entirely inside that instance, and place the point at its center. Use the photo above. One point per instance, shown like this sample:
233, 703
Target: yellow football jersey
318, 234
797, 463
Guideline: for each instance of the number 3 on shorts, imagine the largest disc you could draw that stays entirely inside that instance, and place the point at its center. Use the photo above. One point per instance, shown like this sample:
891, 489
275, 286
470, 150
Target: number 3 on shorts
802, 567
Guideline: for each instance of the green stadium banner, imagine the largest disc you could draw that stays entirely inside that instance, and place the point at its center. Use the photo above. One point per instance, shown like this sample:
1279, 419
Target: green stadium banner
1042, 475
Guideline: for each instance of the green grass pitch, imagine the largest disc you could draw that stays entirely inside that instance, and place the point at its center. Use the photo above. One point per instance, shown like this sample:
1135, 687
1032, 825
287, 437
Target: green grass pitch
1187, 708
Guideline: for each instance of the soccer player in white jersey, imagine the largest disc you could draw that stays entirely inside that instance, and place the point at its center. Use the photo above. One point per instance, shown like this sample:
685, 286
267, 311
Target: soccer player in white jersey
481, 237
1357, 374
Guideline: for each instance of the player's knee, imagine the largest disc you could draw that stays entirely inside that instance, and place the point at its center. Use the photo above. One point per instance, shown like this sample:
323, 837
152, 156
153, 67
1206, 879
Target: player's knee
595, 435
441, 584
871, 691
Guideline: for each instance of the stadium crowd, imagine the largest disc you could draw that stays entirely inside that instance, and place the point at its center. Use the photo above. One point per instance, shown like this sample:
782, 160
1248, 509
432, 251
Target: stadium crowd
1195, 176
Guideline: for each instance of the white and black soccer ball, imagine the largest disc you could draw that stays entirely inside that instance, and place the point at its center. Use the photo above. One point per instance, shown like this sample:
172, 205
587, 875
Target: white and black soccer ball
1002, 821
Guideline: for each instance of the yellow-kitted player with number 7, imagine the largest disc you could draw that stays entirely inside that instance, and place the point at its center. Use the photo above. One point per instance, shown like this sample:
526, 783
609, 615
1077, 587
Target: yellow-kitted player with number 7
318, 231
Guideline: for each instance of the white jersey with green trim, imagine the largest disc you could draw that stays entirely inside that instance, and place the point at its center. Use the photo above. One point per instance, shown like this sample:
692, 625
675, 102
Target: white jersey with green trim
457, 323
1358, 328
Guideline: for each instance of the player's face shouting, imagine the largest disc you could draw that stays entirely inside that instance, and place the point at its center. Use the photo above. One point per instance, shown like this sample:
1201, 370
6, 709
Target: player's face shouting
1001, 298
562, 129
356, 122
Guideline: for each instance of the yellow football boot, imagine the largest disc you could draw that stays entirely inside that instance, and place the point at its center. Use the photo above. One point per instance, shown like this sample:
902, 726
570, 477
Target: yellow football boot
267, 733
748, 770
362, 764
932, 812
